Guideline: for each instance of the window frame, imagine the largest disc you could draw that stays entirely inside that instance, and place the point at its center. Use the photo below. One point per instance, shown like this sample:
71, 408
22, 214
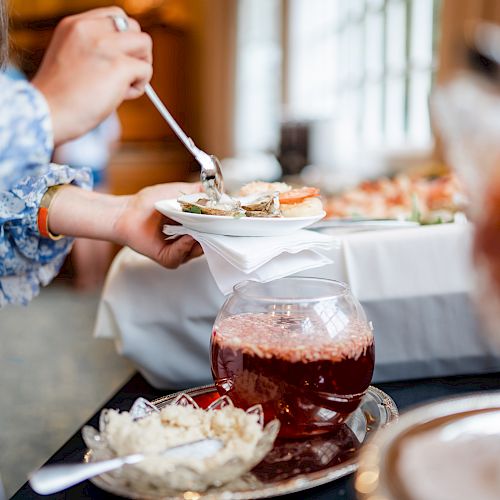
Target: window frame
407, 152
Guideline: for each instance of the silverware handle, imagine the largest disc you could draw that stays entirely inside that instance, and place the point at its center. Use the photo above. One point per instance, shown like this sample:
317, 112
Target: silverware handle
188, 142
54, 478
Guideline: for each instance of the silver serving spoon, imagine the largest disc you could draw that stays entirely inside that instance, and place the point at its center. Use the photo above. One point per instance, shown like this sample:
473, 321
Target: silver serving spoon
54, 478
211, 174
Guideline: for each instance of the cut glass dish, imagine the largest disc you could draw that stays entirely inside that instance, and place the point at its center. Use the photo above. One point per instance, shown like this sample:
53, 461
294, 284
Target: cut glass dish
181, 477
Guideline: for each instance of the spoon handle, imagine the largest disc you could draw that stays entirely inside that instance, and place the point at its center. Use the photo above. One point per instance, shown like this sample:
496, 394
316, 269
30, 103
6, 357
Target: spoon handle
54, 478
157, 102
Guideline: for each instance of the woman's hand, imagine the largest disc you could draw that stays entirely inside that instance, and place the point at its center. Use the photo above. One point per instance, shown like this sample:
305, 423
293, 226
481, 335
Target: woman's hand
140, 226
126, 220
90, 68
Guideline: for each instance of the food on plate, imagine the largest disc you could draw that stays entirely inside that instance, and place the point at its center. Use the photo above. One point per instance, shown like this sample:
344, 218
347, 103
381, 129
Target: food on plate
301, 202
176, 425
258, 199
421, 199
265, 204
262, 187
200, 203
245, 443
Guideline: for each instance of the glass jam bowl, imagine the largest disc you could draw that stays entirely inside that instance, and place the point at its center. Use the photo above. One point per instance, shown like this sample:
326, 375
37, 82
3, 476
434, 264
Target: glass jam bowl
300, 347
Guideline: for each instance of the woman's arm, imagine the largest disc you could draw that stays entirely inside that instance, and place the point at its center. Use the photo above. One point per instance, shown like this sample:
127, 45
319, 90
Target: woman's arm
26, 143
88, 70
26, 139
27, 260
125, 220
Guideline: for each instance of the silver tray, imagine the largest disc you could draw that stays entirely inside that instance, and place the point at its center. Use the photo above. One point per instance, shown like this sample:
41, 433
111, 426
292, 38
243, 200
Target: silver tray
315, 461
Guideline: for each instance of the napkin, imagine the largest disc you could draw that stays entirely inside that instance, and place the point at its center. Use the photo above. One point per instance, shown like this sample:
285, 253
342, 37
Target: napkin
233, 259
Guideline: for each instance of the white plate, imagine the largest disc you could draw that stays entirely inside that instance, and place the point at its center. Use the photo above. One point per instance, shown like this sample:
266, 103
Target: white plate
233, 226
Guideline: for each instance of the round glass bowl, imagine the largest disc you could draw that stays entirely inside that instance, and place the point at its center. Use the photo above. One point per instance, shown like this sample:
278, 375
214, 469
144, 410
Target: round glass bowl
300, 347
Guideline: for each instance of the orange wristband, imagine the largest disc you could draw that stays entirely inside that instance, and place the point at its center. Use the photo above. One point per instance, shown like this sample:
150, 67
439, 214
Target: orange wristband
43, 214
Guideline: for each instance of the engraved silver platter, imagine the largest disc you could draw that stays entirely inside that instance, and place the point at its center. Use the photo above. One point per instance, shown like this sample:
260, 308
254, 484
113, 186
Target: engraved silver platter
291, 466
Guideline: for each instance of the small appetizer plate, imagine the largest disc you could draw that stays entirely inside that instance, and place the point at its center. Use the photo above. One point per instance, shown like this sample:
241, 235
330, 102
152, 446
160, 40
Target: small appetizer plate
235, 226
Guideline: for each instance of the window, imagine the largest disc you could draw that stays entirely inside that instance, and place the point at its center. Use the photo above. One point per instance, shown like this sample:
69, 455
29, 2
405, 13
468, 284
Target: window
258, 76
361, 71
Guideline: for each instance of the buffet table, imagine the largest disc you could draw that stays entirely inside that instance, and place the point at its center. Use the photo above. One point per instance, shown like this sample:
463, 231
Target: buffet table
414, 284
405, 394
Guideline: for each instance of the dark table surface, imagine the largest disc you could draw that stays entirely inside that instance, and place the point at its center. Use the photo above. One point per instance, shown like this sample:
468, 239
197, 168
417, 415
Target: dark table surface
405, 394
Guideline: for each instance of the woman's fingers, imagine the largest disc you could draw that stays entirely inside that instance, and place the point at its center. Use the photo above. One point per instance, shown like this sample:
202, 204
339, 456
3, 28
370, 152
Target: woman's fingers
196, 251
139, 73
174, 253
106, 13
138, 45
102, 20
133, 25
90, 68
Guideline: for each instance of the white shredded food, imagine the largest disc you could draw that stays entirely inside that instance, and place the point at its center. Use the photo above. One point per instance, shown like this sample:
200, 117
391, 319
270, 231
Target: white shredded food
175, 425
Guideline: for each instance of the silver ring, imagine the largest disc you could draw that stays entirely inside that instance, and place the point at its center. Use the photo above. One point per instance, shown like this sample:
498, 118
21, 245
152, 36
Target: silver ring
120, 22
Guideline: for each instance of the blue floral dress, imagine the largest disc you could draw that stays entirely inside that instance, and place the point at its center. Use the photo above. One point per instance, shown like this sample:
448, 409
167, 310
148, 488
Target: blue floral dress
26, 259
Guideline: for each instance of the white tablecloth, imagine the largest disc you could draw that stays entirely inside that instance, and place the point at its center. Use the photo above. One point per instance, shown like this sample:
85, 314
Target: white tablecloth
414, 284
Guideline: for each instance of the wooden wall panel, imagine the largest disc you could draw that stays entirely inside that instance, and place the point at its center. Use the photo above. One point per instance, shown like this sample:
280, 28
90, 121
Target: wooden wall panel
140, 120
137, 165
212, 46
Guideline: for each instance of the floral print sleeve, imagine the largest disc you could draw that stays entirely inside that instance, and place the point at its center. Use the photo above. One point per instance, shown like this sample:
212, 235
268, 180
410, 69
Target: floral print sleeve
26, 259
